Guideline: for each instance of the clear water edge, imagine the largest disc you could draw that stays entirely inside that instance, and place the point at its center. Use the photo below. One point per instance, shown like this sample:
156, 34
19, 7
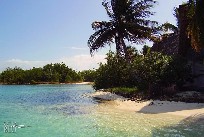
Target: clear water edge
63, 111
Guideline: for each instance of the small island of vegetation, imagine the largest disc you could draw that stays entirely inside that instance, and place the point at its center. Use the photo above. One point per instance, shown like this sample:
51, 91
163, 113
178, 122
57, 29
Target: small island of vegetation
48, 74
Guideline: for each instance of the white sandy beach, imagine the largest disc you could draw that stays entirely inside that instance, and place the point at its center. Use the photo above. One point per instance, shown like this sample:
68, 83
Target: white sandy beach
84, 83
152, 107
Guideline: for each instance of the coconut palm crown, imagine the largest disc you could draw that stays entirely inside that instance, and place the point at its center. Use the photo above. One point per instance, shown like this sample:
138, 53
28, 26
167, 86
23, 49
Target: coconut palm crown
128, 23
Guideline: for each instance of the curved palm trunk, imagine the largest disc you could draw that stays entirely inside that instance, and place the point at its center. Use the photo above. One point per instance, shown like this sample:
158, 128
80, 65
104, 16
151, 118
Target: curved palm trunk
120, 46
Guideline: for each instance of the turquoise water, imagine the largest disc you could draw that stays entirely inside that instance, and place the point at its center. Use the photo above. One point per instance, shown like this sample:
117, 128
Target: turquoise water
65, 111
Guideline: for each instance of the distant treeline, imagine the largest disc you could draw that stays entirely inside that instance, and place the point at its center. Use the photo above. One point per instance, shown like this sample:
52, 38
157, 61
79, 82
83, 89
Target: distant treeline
50, 73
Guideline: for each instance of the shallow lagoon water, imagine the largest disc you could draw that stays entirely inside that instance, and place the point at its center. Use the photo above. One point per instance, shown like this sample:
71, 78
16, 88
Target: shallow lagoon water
65, 111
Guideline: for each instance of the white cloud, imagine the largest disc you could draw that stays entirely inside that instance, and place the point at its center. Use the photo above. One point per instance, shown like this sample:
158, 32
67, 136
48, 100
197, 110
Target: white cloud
76, 48
21, 63
83, 62
78, 62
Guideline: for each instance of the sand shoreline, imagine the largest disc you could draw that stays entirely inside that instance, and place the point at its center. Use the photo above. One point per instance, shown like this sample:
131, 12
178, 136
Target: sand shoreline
151, 107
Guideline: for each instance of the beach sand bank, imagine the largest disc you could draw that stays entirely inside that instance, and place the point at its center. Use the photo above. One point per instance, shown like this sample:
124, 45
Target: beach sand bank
84, 83
151, 107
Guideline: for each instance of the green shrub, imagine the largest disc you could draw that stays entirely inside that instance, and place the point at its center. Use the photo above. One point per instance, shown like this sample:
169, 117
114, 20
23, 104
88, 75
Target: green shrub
150, 73
125, 90
114, 73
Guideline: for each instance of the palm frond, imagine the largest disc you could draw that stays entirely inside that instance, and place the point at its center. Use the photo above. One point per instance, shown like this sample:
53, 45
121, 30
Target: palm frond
98, 25
142, 8
100, 38
128, 20
108, 9
137, 33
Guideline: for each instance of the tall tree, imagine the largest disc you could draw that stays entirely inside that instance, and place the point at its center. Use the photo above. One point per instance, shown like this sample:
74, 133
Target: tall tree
128, 22
196, 24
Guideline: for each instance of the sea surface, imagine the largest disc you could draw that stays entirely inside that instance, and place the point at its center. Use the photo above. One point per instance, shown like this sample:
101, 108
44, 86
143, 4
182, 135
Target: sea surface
67, 111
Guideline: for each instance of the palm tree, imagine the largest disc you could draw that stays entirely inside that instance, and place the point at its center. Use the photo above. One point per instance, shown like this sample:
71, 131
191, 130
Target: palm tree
128, 23
196, 24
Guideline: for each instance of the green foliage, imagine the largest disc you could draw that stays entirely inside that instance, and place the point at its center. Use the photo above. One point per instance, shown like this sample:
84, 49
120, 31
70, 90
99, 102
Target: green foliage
68, 79
88, 75
178, 72
11, 76
156, 71
149, 69
51, 73
34, 74
72, 76
151, 72
123, 90
114, 73
33, 82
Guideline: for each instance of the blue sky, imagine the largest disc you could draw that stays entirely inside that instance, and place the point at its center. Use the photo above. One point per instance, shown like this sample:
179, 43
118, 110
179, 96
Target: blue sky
36, 32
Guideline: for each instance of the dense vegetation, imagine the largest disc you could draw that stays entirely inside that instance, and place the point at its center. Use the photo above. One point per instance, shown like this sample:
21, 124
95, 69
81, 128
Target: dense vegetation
50, 73
151, 72
88, 75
